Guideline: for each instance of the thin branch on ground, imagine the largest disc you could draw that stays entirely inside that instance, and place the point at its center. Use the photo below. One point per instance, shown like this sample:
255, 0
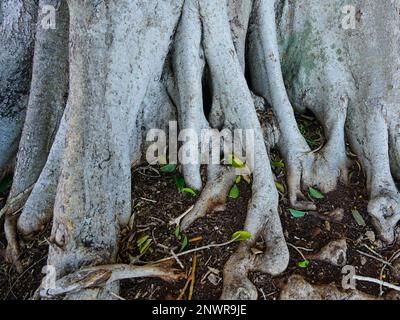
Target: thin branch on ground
375, 258
380, 282
177, 221
209, 246
297, 249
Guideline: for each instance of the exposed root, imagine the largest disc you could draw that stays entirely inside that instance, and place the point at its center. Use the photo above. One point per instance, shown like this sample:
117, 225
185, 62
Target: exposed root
45, 109
384, 204
100, 276
85, 184
12, 250
11, 210
297, 288
219, 181
304, 168
188, 63
385, 213
38, 209
233, 98
16, 203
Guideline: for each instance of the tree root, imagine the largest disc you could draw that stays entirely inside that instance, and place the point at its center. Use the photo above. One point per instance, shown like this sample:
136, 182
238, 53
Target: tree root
12, 250
374, 153
101, 276
214, 194
233, 98
85, 183
297, 288
305, 168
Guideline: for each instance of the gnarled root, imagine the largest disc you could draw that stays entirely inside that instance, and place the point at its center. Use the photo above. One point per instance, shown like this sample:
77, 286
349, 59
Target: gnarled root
101, 276
219, 181
237, 111
45, 108
305, 168
374, 152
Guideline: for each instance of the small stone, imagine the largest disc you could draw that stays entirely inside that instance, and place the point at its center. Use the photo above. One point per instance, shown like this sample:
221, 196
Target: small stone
337, 214
371, 236
214, 279
297, 288
334, 253
363, 261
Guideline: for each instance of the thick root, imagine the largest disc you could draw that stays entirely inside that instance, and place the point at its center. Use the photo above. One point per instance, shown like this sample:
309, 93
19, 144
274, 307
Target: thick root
214, 194
188, 63
305, 168
385, 213
12, 250
38, 209
374, 153
230, 88
297, 288
101, 276
237, 285
17, 37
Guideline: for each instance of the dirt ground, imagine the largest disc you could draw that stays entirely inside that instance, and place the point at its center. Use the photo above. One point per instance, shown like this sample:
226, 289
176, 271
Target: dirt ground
157, 201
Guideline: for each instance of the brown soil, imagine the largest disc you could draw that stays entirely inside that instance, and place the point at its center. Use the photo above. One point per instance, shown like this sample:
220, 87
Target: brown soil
157, 201
15, 286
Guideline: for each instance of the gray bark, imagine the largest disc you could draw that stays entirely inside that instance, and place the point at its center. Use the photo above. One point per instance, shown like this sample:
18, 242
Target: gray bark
135, 65
17, 28
93, 196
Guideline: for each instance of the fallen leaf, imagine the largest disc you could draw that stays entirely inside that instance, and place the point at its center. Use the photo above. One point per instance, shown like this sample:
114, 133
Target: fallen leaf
303, 264
241, 235
169, 168
280, 186
297, 213
190, 191
359, 219
314, 193
234, 193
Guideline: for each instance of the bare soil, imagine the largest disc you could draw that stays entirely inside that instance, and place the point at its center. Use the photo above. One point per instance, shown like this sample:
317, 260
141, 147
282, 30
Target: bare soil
157, 201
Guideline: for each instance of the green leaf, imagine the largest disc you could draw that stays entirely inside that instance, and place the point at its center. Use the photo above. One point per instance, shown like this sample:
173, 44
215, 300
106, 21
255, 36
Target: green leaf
304, 264
297, 213
142, 240
280, 186
315, 193
180, 183
236, 162
185, 244
234, 193
241, 235
178, 232
144, 243
5, 184
278, 164
169, 168
162, 159
238, 179
359, 219
190, 191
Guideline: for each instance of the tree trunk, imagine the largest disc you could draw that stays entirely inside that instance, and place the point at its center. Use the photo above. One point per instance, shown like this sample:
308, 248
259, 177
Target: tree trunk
113, 70
17, 30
